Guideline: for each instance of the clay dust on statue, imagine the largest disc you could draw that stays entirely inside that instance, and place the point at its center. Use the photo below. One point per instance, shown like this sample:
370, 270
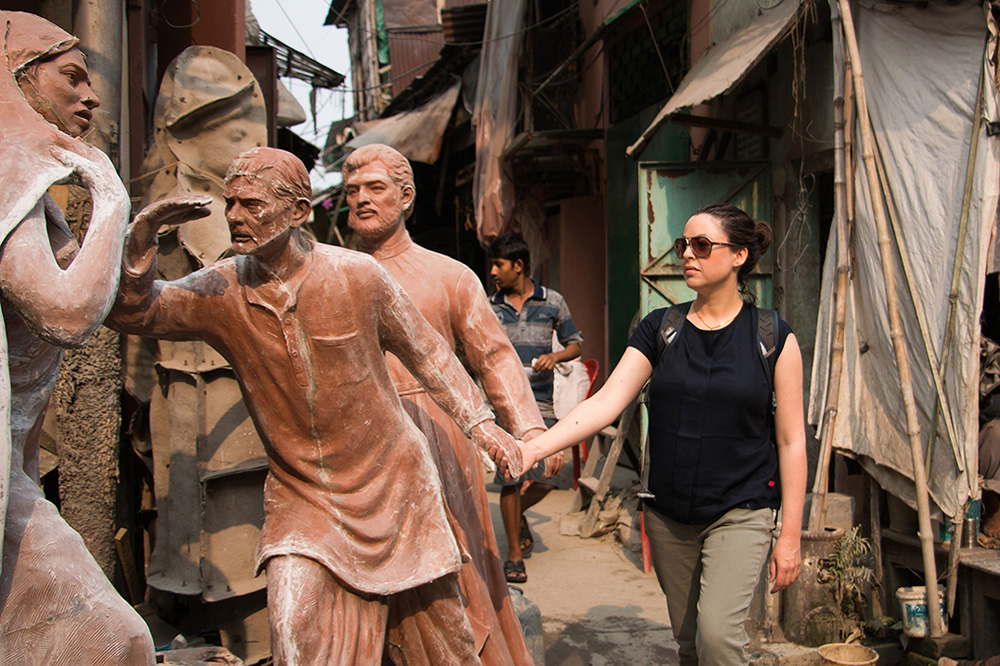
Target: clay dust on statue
56, 605
380, 194
358, 545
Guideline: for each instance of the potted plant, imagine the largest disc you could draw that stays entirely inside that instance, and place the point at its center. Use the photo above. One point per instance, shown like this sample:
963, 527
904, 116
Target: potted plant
847, 571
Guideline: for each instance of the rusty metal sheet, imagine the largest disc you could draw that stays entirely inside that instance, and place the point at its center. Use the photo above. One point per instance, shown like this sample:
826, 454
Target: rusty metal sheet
174, 564
409, 14
463, 22
231, 523
412, 53
668, 194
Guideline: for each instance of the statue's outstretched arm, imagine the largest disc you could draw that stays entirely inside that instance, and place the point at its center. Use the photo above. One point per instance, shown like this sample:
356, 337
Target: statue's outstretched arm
64, 306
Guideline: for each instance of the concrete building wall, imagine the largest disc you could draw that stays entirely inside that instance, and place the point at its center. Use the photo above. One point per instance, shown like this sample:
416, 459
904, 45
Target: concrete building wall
582, 259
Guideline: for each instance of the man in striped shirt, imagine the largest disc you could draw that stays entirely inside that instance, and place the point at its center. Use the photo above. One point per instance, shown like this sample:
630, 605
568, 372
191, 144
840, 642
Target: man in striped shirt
530, 314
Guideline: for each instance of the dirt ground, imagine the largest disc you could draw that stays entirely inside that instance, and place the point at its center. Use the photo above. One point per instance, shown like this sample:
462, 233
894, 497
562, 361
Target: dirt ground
598, 607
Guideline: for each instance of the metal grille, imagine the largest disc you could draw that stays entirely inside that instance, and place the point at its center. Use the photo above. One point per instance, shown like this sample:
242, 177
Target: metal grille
636, 75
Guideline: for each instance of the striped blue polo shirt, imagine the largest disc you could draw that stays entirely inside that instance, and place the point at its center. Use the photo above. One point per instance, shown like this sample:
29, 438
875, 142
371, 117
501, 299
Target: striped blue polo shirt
530, 331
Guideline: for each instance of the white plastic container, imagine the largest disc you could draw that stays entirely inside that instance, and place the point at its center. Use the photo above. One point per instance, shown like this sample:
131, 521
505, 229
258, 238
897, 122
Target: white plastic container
913, 604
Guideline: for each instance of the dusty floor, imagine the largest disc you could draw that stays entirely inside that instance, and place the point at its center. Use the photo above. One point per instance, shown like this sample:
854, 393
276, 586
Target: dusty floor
598, 607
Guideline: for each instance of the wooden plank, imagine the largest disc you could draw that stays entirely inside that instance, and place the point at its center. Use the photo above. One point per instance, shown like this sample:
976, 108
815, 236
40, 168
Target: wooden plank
589, 521
127, 559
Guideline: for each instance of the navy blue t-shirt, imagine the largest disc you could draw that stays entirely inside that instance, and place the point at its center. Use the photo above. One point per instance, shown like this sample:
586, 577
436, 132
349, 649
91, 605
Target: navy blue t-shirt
710, 424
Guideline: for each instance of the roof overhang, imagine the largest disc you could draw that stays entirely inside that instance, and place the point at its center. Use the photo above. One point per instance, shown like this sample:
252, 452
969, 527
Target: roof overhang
723, 66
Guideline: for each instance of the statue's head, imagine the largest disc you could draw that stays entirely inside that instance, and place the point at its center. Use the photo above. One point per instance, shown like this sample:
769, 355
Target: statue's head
51, 71
378, 182
268, 196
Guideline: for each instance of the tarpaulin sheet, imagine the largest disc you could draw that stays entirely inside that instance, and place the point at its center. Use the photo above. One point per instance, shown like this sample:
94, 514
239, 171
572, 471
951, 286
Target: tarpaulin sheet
495, 115
724, 65
416, 134
921, 72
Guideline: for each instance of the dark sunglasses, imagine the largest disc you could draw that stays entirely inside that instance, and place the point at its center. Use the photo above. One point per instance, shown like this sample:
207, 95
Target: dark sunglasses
701, 246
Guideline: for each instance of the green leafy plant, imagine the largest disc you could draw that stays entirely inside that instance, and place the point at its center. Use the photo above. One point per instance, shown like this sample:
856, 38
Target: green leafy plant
848, 572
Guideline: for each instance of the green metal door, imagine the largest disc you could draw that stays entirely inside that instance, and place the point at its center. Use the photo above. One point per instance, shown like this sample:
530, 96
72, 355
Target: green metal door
668, 193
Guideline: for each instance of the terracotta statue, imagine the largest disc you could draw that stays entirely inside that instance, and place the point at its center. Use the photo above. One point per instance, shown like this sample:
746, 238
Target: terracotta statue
209, 109
357, 544
56, 605
380, 193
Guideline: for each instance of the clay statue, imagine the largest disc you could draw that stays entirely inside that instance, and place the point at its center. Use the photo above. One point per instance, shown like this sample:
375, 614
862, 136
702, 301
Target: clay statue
358, 545
56, 605
380, 193
209, 109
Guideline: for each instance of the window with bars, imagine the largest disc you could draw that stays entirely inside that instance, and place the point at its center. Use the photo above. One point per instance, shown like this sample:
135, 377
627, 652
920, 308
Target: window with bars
636, 74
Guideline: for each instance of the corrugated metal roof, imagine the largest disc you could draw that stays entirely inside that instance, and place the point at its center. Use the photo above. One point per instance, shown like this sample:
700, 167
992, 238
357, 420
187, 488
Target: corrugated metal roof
464, 24
412, 54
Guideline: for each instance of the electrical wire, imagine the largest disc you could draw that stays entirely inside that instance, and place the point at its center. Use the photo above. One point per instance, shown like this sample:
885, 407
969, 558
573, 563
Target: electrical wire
196, 21
482, 42
340, 15
296, 30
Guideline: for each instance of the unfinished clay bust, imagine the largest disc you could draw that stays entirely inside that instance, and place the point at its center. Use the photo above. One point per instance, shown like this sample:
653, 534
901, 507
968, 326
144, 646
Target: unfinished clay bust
209, 109
56, 605
380, 194
357, 543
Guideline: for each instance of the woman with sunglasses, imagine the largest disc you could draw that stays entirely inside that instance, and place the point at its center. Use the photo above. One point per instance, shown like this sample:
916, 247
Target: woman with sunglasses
720, 463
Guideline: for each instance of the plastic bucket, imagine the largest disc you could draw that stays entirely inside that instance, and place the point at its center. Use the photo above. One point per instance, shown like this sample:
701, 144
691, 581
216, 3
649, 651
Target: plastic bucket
913, 605
847, 654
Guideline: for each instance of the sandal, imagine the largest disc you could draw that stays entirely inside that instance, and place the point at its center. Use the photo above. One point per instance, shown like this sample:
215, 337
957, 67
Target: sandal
524, 536
514, 571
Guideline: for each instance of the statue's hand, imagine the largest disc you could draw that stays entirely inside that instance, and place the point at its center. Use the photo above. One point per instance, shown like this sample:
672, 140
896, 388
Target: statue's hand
499, 446
173, 211
95, 172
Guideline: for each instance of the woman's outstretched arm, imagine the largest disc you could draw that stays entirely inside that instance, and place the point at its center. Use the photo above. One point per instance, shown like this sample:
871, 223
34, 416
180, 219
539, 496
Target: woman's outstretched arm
594, 413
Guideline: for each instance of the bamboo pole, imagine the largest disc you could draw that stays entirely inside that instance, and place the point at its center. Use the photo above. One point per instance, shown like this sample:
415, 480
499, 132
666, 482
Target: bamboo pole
959, 520
956, 275
817, 509
875, 524
936, 375
895, 327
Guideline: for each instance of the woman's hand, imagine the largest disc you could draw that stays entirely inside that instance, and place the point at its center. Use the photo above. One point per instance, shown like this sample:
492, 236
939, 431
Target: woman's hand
529, 455
786, 562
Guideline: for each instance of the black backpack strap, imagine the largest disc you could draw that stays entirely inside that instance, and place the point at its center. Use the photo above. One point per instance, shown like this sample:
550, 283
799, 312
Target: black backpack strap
767, 334
671, 326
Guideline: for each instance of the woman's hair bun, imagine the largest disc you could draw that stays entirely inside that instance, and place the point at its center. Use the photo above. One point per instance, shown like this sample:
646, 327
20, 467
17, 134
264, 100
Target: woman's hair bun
763, 232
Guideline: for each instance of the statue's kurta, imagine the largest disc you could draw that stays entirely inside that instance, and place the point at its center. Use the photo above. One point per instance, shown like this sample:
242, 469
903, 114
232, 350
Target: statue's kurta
352, 483
452, 299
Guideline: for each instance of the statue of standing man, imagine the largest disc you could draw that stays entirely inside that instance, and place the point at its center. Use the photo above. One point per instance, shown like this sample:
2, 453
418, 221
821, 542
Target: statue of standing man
380, 193
56, 605
358, 544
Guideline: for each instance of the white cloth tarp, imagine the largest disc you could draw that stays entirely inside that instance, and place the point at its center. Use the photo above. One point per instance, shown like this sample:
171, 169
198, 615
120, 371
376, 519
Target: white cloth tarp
921, 71
724, 65
495, 115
